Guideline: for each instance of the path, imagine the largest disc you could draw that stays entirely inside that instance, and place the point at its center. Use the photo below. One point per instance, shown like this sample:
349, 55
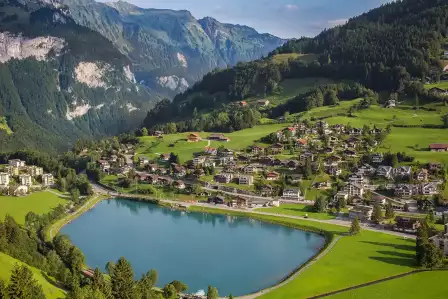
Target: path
294, 276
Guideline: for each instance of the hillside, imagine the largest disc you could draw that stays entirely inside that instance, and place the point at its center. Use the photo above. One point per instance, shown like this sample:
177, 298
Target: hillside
386, 49
61, 81
171, 49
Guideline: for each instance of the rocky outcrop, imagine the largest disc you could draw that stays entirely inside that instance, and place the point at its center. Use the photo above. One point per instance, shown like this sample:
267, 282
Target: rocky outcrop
92, 74
173, 83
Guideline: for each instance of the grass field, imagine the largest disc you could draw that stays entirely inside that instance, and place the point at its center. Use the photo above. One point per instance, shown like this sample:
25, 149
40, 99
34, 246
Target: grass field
280, 58
352, 261
297, 210
443, 85
38, 202
417, 286
7, 264
153, 147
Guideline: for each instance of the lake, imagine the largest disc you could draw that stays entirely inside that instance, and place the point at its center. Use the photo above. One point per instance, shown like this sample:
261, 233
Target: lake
237, 255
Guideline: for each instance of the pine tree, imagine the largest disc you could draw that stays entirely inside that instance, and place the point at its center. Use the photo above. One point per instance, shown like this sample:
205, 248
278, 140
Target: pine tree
230, 296
2, 290
320, 204
122, 280
377, 216
355, 228
421, 241
212, 293
22, 285
169, 292
389, 211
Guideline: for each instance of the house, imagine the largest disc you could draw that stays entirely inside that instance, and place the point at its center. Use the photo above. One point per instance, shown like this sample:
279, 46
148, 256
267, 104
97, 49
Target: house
390, 104
47, 179
341, 195
357, 179
384, 171
434, 166
322, 125
441, 240
428, 189
14, 171
178, 170
333, 160
376, 131
165, 157
291, 194
301, 143
404, 190
104, 165
306, 156
438, 147
193, 137
20, 190
356, 132
422, 175
377, 158
153, 179
363, 213
242, 103
152, 168
328, 150
252, 168
406, 223
354, 190
198, 161
338, 128
26, 180
211, 151
158, 133
226, 160
295, 178
35, 171
272, 176
223, 178
142, 161
166, 181
333, 170
257, 150
292, 164
263, 103
240, 202
217, 200
141, 177
246, 180
366, 169
349, 153
323, 185
16, 163
436, 91
274, 203
179, 185
267, 190
403, 171
4, 179
277, 148
333, 140
219, 137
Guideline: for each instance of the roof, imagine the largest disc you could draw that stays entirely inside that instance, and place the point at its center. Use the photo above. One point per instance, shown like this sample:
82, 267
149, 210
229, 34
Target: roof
438, 146
273, 173
361, 209
277, 145
295, 190
302, 141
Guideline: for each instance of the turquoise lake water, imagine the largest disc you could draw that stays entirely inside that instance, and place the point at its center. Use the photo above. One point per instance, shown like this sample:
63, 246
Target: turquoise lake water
235, 254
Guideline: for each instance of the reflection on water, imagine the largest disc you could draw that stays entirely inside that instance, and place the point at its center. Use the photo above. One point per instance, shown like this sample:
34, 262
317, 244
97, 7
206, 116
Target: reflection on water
236, 254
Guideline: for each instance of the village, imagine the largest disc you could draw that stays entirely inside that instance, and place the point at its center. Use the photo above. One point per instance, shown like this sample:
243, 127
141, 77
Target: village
339, 164
19, 179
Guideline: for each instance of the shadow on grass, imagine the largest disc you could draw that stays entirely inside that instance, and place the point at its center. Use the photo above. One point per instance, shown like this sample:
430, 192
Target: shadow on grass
396, 246
395, 260
398, 254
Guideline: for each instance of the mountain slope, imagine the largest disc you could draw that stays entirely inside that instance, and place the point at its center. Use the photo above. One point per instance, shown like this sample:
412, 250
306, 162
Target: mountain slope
392, 48
60, 81
171, 49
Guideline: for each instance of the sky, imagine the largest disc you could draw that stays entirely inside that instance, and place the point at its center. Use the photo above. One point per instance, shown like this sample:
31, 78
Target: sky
283, 18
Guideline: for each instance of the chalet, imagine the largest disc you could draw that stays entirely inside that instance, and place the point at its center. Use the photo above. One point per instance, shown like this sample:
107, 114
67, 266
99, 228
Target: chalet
104, 165
142, 161
349, 153
266, 160
363, 213
4, 179
434, 166
354, 190
357, 179
193, 137
178, 170
428, 189
422, 175
356, 132
242, 103
142, 177
211, 151
240, 202
158, 133
274, 203
333, 159
277, 148
246, 180
47, 179
390, 104
404, 190
322, 125
338, 128
113, 158
226, 160
384, 171
329, 150
333, 170
301, 143
292, 164
403, 171
16, 163
441, 240
223, 178
272, 176
153, 179
252, 168
267, 190
291, 194
165, 157
152, 167
306, 156
256, 150
263, 103
13, 171
179, 185
217, 200
333, 140
218, 137
436, 91
295, 178
166, 181
35, 171
366, 169
323, 185
376, 131
407, 224
25, 180
341, 195
377, 158
438, 147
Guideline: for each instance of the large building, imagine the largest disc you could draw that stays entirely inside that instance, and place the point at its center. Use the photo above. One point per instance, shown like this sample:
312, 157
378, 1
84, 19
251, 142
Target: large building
47, 179
35, 171
291, 194
16, 163
26, 180
4, 179
363, 213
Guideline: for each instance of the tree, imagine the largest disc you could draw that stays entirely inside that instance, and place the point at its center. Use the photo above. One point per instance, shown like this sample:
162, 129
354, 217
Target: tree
230, 296
122, 280
341, 203
389, 211
179, 286
2, 290
110, 268
22, 285
212, 293
320, 204
428, 255
416, 101
377, 215
144, 132
74, 195
355, 228
169, 292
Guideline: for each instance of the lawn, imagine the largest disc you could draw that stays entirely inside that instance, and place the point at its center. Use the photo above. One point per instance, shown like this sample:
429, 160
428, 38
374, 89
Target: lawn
442, 84
153, 147
7, 264
38, 202
420, 285
352, 261
280, 58
297, 210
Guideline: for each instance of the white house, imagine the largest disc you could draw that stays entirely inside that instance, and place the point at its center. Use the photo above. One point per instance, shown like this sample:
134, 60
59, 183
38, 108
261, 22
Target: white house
354, 190
384, 171
357, 179
47, 179
429, 189
35, 171
246, 180
26, 180
403, 171
291, 194
16, 163
4, 179
363, 213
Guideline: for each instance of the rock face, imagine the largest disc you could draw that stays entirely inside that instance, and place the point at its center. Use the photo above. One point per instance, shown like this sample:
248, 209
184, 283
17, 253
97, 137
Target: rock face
165, 44
173, 82
91, 74
19, 47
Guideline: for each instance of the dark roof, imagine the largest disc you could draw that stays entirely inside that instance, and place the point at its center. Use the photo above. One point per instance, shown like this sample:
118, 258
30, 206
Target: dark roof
438, 146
